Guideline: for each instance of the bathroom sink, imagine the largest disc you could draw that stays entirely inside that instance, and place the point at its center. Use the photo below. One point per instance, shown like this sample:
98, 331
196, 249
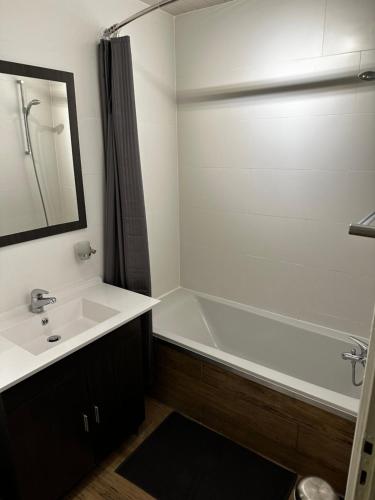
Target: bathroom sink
59, 323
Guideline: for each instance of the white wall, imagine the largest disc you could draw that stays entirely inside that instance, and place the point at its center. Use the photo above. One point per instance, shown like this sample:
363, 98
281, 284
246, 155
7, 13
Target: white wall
269, 182
155, 92
64, 35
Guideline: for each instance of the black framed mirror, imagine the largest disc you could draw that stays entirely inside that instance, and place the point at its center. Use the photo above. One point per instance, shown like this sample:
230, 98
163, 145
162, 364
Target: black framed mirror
41, 188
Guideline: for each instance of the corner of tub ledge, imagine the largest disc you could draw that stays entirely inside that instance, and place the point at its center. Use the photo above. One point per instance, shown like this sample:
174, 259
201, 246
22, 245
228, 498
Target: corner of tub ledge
169, 292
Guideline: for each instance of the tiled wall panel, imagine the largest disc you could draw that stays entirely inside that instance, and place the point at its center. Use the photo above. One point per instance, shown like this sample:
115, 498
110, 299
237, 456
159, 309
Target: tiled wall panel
276, 160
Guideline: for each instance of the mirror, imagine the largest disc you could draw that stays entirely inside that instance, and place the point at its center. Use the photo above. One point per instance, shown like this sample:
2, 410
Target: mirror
41, 191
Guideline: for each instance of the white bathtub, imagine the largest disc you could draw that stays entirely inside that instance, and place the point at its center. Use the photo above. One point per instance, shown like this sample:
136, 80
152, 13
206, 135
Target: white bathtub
295, 357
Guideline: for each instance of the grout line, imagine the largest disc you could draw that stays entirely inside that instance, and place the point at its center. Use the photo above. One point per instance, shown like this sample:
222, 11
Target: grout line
260, 214
179, 181
263, 214
281, 169
324, 27
299, 265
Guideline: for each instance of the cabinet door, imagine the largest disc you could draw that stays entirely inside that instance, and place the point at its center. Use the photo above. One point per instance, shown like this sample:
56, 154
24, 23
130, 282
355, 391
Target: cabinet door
49, 442
114, 378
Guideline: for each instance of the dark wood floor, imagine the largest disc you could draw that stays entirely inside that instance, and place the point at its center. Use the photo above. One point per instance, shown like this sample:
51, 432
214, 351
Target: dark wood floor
103, 483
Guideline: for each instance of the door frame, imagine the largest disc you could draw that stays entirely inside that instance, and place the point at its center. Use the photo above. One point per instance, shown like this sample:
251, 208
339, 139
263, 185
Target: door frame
362, 463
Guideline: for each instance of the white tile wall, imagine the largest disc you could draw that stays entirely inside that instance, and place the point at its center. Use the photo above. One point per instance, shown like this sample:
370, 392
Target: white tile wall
269, 181
349, 26
244, 33
68, 41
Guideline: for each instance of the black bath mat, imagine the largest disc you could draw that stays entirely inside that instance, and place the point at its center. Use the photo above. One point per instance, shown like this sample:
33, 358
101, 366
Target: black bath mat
182, 460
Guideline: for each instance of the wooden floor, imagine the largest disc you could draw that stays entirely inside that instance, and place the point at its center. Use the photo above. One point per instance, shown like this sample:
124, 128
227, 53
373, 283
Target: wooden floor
103, 483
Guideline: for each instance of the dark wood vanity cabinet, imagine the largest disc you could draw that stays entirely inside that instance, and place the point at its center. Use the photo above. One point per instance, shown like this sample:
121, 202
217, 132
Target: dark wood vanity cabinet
115, 388
57, 424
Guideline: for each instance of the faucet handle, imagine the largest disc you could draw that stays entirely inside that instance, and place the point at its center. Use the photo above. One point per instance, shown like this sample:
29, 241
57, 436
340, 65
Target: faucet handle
361, 344
39, 292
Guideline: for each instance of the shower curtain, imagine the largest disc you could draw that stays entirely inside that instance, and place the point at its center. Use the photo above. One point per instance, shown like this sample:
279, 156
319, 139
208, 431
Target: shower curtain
126, 255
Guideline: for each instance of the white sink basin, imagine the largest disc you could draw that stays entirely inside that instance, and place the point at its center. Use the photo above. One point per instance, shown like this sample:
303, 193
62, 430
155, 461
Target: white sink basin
84, 312
57, 324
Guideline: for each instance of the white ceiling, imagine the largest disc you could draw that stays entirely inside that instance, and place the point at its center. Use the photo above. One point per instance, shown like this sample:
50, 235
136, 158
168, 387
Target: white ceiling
182, 6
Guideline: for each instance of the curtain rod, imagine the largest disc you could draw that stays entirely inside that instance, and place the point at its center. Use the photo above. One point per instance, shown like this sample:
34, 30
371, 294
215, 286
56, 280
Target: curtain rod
109, 32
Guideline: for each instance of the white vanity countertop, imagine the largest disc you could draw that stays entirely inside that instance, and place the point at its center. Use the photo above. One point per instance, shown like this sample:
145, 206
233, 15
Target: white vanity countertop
17, 363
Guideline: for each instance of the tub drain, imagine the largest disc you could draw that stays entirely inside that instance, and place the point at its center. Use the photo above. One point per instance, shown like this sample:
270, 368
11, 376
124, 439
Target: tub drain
53, 338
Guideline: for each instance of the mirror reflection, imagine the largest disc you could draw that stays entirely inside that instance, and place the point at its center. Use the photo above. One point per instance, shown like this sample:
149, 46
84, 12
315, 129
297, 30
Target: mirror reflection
37, 182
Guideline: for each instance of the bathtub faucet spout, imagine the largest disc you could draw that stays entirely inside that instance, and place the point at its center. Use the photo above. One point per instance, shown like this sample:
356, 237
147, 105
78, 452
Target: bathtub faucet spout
356, 357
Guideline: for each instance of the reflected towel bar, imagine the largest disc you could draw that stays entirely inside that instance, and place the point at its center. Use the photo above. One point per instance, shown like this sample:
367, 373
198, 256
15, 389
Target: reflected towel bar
365, 227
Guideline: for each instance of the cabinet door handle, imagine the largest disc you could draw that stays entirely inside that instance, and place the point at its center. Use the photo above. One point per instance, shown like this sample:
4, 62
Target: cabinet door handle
86, 423
97, 414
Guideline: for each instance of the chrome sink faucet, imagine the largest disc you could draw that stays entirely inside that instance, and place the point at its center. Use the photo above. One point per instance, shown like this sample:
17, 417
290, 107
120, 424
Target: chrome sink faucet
38, 301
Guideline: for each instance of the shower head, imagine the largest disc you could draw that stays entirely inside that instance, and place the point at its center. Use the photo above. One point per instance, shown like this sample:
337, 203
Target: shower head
34, 102
367, 76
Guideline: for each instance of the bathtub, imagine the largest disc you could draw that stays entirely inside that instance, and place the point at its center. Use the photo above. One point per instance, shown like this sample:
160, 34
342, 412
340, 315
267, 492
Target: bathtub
300, 359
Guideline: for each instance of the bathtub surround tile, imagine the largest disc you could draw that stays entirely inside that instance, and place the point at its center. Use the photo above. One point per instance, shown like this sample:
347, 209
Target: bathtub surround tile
276, 238
208, 271
285, 266
362, 139
308, 102
335, 294
324, 142
341, 324
361, 194
305, 194
297, 32
367, 60
277, 88
338, 65
327, 142
349, 26
307, 147
215, 188
274, 285
214, 229
299, 241
366, 92
213, 138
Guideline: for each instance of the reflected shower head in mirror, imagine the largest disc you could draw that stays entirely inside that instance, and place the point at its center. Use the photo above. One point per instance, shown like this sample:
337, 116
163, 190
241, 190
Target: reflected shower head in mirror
34, 102
59, 129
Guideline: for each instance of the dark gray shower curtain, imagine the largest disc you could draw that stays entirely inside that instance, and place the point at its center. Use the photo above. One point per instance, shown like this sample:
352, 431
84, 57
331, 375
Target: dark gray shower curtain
126, 255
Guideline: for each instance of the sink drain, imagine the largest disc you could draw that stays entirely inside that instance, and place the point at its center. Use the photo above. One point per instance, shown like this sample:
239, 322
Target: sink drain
53, 338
